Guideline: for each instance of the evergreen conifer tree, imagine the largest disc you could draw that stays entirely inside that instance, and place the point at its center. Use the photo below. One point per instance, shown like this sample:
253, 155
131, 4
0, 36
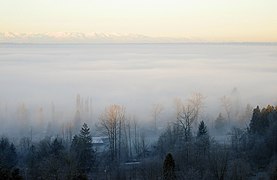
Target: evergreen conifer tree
254, 123
203, 139
169, 168
219, 122
202, 129
82, 150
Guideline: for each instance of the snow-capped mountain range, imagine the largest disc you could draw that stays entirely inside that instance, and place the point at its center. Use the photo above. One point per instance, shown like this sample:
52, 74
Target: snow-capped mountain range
77, 37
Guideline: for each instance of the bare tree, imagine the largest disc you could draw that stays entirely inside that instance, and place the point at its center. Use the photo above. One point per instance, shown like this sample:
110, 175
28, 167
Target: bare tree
143, 145
129, 138
218, 162
188, 112
246, 116
112, 120
186, 118
178, 103
136, 138
227, 106
197, 102
156, 111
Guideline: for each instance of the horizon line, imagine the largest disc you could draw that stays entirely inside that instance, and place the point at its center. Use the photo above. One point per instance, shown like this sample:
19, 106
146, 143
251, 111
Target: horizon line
88, 43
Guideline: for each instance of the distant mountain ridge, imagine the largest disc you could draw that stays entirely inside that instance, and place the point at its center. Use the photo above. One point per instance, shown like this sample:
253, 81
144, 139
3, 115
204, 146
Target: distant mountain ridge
77, 37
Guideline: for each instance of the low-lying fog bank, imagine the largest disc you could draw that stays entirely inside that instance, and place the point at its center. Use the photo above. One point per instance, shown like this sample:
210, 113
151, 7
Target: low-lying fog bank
39, 83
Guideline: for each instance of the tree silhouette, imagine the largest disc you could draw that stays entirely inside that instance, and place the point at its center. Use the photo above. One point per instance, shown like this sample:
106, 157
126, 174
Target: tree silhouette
203, 139
82, 150
169, 168
254, 123
202, 129
112, 122
8, 160
8, 156
219, 122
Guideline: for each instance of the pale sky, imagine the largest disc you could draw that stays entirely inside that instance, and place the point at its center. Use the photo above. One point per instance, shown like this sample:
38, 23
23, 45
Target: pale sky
210, 20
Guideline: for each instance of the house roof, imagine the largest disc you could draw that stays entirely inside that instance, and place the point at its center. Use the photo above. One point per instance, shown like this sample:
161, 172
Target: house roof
97, 140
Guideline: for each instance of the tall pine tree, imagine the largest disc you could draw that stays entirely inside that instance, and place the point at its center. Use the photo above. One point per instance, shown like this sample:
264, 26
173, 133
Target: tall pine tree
82, 150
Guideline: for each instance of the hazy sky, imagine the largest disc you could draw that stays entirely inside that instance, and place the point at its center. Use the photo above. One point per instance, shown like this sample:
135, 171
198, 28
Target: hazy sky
212, 20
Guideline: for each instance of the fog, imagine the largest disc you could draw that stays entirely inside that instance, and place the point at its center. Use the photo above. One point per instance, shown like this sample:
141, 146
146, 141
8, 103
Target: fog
44, 77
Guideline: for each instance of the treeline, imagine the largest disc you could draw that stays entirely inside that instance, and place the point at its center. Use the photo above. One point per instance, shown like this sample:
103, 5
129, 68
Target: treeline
48, 159
177, 154
249, 152
38, 122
